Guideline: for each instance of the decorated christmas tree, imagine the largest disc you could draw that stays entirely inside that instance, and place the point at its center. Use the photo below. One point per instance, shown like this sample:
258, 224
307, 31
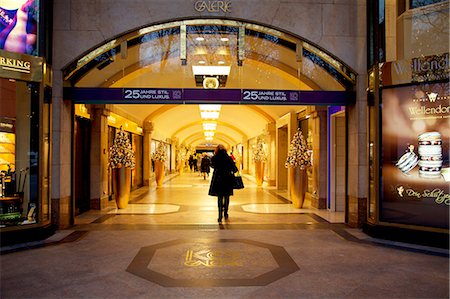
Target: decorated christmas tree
120, 153
160, 153
259, 155
298, 155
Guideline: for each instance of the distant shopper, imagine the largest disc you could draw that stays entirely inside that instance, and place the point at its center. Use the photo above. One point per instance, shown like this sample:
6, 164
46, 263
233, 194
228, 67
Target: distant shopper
194, 163
205, 166
191, 163
222, 179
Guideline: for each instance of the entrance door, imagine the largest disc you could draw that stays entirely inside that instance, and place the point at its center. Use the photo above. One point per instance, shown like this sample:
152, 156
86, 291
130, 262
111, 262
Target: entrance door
82, 132
337, 162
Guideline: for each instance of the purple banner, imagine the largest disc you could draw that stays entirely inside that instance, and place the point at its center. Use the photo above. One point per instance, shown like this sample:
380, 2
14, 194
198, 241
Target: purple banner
150, 95
197, 95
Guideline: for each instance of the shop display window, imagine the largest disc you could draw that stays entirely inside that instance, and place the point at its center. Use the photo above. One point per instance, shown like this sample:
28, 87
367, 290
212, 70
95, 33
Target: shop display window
19, 144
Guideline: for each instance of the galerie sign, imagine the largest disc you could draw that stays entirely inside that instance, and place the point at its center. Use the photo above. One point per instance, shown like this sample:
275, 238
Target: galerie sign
213, 6
415, 166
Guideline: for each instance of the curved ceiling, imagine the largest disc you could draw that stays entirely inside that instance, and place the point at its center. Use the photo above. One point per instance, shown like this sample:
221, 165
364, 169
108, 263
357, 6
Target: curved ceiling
154, 62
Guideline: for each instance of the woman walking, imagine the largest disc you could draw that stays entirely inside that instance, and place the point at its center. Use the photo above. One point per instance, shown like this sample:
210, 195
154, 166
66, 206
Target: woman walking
222, 179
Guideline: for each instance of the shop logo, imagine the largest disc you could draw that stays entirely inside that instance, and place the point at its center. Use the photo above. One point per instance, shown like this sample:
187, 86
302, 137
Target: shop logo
213, 6
430, 68
16, 65
400, 191
432, 96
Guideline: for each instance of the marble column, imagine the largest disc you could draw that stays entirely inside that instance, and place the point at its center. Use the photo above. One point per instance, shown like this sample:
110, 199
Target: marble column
271, 159
61, 202
99, 157
147, 156
318, 125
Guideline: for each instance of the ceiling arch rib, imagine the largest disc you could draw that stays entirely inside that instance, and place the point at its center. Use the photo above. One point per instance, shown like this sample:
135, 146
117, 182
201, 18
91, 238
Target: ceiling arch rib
215, 142
217, 135
219, 123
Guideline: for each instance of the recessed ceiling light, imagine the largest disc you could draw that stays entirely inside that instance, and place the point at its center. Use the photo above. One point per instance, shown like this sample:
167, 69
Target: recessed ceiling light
221, 62
224, 39
199, 38
201, 62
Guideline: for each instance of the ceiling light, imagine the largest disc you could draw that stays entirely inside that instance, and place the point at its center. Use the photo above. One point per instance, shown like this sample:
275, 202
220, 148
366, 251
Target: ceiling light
210, 107
211, 70
224, 39
209, 114
221, 62
199, 38
210, 111
209, 126
208, 133
201, 62
208, 138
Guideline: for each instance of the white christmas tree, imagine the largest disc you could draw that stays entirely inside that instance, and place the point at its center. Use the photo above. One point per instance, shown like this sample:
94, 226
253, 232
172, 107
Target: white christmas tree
259, 155
160, 153
298, 155
120, 153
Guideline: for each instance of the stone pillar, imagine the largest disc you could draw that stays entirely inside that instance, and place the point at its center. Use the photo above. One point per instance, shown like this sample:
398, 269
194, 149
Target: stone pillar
61, 202
99, 157
147, 156
357, 156
245, 156
318, 125
286, 126
271, 159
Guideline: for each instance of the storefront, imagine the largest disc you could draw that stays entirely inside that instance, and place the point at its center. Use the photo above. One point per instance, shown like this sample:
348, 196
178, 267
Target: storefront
25, 121
409, 124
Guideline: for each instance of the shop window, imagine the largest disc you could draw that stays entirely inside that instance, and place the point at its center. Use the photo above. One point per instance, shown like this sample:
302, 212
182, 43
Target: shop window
19, 155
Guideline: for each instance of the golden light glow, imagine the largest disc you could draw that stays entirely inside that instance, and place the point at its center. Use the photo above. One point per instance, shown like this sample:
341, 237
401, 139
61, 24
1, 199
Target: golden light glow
209, 114
208, 133
209, 126
210, 111
208, 138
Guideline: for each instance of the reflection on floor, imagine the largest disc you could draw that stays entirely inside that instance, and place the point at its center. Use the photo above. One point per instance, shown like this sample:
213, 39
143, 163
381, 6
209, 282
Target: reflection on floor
184, 200
146, 209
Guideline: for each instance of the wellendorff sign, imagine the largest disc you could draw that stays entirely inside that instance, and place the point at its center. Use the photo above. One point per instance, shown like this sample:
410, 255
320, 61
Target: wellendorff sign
213, 6
20, 66
430, 68
419, 69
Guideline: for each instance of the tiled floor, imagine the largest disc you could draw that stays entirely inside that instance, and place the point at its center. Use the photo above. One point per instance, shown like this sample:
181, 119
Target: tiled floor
168, 244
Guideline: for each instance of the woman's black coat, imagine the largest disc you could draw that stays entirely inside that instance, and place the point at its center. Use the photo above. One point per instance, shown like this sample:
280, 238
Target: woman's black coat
223, 175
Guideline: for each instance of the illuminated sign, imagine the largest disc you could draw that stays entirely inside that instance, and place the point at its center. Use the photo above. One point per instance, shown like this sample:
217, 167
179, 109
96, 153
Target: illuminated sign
20, 66
19, 23
16, 65
420, 69
415, 176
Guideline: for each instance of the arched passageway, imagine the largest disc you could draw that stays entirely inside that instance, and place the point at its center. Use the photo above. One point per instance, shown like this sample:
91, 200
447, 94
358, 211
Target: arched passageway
280, 81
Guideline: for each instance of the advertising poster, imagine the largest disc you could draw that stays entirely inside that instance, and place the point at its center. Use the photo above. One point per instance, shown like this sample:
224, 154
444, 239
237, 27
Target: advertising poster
415, 155
19, 26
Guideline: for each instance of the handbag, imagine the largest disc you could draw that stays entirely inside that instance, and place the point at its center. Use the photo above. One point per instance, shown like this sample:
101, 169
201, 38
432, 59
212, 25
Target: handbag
237, 182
